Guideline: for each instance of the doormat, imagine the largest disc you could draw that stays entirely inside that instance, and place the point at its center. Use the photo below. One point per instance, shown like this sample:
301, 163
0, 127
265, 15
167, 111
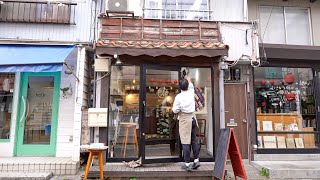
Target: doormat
133, 163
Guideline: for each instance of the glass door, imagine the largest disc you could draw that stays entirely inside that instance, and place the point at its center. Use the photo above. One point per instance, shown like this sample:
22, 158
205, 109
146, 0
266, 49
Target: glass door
38, 112
160, 135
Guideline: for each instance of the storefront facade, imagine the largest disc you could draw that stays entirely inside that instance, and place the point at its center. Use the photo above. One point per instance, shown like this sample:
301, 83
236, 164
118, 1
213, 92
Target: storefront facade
140, 91
38, 100
286, 86
286, 95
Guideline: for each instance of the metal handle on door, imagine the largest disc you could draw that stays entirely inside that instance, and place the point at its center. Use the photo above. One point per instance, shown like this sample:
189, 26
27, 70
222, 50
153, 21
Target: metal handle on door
244, 120
27, 110
24, 110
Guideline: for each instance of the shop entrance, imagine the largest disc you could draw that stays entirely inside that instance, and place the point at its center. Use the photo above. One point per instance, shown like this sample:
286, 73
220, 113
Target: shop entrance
160, 134
236, 114
141, 121
37, 114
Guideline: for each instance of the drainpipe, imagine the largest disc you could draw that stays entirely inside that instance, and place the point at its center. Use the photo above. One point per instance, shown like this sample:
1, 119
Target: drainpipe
222, 67
245, 10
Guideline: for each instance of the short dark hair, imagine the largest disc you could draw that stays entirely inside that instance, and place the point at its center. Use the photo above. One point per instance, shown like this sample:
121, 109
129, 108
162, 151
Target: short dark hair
184, 84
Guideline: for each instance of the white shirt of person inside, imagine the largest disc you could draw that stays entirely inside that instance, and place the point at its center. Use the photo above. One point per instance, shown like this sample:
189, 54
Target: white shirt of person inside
184, 101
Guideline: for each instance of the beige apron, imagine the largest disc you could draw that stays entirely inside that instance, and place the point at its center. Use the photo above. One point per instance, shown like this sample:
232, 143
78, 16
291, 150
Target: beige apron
185, 127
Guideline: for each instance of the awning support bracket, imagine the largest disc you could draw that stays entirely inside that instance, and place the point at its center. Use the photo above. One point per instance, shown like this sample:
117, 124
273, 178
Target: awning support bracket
71, 70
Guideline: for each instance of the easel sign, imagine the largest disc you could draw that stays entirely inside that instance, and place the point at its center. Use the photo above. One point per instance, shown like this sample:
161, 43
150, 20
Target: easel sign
228, 144
97, 117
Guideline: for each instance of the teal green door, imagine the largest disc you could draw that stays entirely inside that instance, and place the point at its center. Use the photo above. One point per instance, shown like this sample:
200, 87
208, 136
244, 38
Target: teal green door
37, 114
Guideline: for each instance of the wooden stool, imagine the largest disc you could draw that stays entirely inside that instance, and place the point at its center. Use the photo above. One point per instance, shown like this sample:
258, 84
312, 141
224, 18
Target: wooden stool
98, 153
128, 126
201, 131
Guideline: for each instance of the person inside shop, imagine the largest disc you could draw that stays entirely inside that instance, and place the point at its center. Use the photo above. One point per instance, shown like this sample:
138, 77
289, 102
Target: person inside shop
184, 106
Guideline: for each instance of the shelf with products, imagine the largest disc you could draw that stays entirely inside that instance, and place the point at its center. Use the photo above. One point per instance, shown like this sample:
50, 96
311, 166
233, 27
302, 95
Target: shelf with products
288, 132
285, 128
163, 120
284, 98
289, 139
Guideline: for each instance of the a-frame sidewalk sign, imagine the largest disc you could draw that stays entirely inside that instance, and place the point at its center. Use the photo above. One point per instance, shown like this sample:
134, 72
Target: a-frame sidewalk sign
228, 145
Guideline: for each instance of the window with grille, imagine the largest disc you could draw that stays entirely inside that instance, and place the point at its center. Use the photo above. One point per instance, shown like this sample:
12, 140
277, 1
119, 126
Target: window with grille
177, 9
37, 12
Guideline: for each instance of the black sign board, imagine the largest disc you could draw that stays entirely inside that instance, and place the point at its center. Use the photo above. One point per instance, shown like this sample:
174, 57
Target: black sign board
228, 144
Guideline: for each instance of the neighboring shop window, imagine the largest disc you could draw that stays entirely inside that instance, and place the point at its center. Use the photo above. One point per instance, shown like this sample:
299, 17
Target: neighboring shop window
285, 106
6, 97
280, 25
124, 111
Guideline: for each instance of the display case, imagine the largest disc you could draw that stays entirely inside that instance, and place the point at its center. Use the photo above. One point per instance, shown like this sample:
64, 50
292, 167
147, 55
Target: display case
285, 109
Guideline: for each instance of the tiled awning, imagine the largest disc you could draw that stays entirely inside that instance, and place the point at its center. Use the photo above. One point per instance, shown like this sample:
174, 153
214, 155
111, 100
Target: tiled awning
158, 48
158, 37
161, 44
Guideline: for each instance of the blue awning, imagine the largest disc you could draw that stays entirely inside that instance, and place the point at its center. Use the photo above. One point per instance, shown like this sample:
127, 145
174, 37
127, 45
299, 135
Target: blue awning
33, 58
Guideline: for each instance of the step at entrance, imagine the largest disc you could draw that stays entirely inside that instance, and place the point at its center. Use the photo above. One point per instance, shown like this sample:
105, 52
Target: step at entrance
24, 175
290, 169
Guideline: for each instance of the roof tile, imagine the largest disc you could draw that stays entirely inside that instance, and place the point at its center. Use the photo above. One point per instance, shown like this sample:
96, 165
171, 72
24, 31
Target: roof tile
162, 44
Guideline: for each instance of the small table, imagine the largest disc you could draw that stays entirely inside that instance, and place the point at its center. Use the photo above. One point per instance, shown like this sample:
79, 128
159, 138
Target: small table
95, 152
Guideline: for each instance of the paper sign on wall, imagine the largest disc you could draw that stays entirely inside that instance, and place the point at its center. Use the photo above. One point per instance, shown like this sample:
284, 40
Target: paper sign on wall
97, 117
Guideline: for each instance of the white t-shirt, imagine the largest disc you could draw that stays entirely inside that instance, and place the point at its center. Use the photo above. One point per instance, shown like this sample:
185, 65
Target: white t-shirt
184, 101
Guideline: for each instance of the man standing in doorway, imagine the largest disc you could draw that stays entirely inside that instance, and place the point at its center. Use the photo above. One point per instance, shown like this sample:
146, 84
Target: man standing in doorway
184, 105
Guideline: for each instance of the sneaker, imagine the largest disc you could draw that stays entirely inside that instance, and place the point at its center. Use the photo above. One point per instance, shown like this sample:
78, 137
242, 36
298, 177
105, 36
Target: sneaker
195, 165
187, 168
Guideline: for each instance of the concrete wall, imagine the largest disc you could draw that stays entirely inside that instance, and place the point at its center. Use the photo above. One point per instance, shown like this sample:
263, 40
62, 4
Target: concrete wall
253, 12
65, 137
70, 109
238, 37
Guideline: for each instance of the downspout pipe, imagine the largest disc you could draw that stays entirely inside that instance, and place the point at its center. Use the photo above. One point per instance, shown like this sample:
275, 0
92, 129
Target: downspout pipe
222, 67
245, 10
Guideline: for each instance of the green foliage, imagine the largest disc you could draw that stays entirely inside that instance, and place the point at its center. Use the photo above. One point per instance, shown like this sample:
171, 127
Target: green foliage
265, 172
133, 178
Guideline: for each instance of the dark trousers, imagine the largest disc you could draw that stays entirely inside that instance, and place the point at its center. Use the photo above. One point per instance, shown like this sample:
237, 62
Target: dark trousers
194, 144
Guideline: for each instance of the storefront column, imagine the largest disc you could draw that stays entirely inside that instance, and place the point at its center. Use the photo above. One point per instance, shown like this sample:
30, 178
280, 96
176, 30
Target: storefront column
216, 104
78, 106
221, 96
104, 103
251, 113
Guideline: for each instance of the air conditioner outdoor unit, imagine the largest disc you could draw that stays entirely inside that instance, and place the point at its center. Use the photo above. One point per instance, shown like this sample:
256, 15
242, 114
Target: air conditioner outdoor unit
134, 6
